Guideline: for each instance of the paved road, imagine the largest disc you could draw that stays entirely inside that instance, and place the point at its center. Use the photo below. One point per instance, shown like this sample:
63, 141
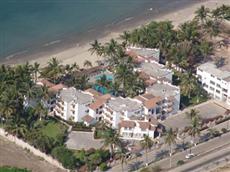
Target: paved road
206, 162
201, 149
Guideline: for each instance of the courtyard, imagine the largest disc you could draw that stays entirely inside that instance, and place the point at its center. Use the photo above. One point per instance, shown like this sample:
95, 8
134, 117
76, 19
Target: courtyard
83, 140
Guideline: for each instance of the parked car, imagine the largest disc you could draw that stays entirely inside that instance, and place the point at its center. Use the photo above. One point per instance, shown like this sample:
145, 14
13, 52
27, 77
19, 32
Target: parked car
189, 156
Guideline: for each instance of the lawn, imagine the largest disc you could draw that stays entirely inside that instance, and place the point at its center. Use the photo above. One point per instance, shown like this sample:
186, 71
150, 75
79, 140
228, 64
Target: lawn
13, 169
53, 129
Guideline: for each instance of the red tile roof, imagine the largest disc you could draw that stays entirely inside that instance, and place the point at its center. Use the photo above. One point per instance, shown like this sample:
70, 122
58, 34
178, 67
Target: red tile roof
97, 104
127, 124
88, 118
93, 92
57, 87
45, 82
151, 103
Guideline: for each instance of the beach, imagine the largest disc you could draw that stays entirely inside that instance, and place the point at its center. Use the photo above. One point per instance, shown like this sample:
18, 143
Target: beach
78, 52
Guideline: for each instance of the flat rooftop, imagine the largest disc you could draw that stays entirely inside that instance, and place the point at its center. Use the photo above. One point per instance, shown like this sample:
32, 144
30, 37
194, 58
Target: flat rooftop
163, 90
120, 104
154, 69
218, 72
146, 52
71, 94
207, 110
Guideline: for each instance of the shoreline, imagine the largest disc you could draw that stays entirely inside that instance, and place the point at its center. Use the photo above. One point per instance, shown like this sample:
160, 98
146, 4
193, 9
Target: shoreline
77, 50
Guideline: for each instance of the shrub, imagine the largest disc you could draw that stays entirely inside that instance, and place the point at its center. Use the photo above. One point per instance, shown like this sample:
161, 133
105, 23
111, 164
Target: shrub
224, 130
13, 169
180, 162
103, 166
80, 126
42, 142
65, 156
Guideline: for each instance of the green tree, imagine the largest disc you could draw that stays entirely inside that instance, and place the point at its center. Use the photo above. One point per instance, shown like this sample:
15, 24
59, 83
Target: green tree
97, 48
65, 156
36, 70
146, 143
122, 156
202, 13
111, 139
87, 64
188, 84
195, 126
170, 139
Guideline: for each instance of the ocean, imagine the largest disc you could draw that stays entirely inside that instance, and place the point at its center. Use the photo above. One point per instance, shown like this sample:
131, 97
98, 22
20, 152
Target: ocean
29, 24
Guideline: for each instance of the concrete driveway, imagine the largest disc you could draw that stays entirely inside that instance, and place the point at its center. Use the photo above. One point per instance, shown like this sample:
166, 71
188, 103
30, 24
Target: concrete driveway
82, 140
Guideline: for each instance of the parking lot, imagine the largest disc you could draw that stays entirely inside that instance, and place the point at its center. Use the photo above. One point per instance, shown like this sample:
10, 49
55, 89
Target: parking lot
82, 140
210, 109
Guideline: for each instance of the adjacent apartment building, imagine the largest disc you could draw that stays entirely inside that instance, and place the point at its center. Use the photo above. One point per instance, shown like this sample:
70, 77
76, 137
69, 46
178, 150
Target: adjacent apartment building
215, 81
72, 104
118, 109
136, 129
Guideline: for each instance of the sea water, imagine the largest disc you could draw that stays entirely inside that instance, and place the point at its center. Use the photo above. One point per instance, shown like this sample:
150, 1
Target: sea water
34, 23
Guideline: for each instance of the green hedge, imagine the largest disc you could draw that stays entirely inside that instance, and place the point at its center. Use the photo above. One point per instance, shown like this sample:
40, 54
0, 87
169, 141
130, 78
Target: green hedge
13, 169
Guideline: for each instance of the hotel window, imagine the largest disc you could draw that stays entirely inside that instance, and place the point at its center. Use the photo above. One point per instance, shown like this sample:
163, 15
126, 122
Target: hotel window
219, 79
205, 85
218, 85
212, 76
217, 97
218, 91
212, 82
211, 88
225, 90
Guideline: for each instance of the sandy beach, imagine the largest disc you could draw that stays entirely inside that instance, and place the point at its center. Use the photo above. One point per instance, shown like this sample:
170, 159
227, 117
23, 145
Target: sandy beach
79, 52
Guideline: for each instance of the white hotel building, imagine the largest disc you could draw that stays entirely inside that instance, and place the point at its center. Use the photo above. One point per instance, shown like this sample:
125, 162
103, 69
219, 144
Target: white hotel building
215, 81
72, 104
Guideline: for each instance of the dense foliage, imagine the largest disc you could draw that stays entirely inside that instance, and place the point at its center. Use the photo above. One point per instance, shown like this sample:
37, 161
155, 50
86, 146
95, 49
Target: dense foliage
65, 156
13, 169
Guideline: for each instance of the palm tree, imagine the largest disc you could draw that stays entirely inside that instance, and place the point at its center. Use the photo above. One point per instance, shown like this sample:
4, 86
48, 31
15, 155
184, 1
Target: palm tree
202, 13
53, 70
146, 143
111, 48
125, 36
74, 67
193, 113
17, 128
194, 129
36, 70
122, 74
205, 49
170, 139
111, 139
212, 28
122, 156
82, 82
96, 48
188, 84
87, 64
40, 110
188, 31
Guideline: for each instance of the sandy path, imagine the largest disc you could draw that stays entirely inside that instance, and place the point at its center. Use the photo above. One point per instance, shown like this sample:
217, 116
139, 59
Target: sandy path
12, 155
